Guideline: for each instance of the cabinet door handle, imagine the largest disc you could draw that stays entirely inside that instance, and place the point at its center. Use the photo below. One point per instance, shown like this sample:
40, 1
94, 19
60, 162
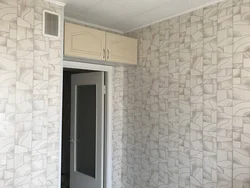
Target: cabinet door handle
104, 53
108, 54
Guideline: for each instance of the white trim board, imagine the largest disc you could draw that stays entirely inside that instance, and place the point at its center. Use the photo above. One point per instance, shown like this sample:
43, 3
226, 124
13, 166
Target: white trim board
61, 95
212, 2
109, 112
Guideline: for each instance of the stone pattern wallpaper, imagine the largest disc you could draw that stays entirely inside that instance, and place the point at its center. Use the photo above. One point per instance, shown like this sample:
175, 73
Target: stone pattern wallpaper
184, 119
30, 96
124, 127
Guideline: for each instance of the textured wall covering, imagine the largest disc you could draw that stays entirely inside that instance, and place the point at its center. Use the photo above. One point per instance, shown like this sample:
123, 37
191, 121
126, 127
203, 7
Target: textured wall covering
30, 70
123, 127
185, 116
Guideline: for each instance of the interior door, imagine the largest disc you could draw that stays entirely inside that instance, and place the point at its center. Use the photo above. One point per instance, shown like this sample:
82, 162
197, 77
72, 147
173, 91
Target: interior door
87, 130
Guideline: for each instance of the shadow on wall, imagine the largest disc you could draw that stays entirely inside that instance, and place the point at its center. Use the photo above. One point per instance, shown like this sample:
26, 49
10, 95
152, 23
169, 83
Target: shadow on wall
65, 174
124, 123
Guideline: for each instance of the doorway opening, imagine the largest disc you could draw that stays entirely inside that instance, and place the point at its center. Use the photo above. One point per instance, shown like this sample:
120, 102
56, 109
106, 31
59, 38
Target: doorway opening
86, 135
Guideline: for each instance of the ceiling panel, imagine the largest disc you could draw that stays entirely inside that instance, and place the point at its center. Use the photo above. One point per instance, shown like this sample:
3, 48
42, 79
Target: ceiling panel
79, 5
106, 8
139, 6
159, 13
127, 15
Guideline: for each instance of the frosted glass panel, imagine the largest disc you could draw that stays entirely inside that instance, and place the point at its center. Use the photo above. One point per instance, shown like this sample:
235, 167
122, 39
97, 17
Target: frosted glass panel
86, 130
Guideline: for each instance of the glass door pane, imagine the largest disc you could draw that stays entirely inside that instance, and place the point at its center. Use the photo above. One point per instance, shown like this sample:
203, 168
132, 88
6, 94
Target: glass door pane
86, 130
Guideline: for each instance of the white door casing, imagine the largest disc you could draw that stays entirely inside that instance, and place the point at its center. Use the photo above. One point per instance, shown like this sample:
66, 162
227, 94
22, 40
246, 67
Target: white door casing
109, 114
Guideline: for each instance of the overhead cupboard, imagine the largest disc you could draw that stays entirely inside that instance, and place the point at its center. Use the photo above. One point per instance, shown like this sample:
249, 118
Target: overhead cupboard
89, 43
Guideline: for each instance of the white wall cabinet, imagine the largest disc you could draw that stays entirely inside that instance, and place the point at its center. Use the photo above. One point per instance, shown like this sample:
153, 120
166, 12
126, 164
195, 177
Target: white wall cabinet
121, 49
84, 42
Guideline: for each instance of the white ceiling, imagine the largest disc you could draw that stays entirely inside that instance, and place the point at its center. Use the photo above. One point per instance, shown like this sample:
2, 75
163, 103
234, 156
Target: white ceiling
127, 15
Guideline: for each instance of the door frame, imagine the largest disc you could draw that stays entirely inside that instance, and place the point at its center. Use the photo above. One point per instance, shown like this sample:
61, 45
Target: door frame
107, 173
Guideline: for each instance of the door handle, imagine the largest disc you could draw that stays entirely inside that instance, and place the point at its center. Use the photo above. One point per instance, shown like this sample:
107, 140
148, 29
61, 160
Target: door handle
72, 141
108, 54
104, 53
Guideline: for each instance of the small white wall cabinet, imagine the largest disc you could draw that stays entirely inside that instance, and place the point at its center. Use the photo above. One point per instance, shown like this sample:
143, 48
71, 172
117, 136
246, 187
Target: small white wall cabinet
84, 42
121, 49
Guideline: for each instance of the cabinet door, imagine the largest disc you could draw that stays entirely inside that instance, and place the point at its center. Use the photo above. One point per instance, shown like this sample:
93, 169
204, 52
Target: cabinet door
84, 42
121, 49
